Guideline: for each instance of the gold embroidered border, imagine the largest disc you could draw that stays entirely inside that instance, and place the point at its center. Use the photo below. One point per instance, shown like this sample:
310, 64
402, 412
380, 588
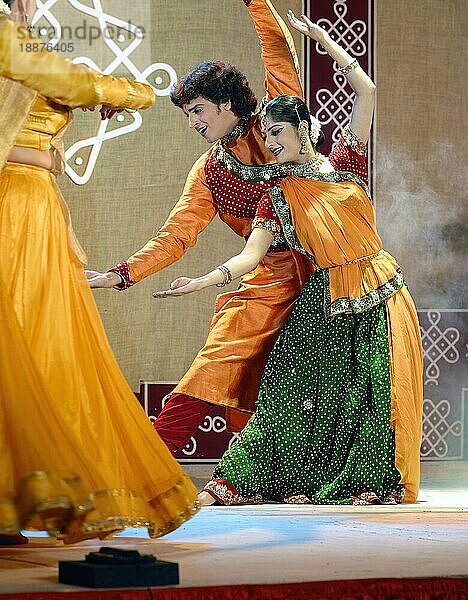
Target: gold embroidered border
269, 224
369, 300
226, 494
278, 171
352, 140
174, 523
64, 515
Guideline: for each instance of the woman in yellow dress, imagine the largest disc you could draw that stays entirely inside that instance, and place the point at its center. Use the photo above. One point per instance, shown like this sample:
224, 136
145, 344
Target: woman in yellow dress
78, 456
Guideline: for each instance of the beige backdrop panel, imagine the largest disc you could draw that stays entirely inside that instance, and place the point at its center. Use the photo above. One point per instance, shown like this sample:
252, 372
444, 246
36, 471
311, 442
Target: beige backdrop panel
421, 144
138, 179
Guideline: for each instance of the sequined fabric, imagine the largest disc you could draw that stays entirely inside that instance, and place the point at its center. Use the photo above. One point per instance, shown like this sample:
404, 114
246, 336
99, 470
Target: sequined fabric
224, 493
122, 270
352, 140
266, 218
241, 197
239, 189
234, 195
349, 154
322, 424
347, 164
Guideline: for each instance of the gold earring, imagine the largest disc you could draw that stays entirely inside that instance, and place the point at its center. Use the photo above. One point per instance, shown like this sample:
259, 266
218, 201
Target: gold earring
303, 137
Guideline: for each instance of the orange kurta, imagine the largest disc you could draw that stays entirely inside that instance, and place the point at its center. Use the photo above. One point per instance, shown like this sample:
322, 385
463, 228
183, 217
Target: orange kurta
335, 224
227, 370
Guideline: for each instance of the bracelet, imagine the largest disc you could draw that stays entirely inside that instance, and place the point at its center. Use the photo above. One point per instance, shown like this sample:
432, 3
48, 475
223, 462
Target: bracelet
122, 270
227, 276
349, 67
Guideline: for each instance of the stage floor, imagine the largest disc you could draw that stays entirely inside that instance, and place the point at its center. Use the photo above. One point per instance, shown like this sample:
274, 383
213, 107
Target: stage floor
283, 543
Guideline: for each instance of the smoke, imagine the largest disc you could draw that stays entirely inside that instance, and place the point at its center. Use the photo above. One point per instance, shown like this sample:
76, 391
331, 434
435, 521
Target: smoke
421, 213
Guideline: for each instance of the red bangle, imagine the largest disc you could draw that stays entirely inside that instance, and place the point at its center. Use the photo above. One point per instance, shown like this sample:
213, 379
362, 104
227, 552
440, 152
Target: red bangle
122, 270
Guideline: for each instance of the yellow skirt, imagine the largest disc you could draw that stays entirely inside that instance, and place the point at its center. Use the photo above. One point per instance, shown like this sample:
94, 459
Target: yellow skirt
78, 456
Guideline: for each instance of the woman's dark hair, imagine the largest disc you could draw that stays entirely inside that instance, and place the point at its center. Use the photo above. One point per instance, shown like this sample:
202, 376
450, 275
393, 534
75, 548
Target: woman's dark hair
8, 2
291, 109
217, 82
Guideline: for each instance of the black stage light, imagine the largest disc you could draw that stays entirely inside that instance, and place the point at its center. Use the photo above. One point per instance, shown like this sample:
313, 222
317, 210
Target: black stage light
115, 568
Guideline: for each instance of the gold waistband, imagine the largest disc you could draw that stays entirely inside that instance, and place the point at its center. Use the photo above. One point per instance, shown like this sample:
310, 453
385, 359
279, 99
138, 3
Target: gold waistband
26, 169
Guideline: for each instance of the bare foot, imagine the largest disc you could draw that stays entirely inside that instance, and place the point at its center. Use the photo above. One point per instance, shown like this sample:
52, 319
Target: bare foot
206, 499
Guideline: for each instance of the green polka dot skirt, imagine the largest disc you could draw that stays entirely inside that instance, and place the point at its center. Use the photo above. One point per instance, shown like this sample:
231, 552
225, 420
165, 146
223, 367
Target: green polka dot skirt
321, 432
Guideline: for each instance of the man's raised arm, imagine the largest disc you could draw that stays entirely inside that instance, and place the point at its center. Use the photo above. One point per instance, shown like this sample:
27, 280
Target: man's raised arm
282, 73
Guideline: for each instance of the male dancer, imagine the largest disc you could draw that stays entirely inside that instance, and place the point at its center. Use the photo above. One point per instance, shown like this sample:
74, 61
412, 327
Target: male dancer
221, 107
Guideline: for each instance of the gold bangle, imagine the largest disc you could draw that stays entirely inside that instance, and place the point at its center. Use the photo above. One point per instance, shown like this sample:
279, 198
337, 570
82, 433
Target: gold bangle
349, 67
227, 276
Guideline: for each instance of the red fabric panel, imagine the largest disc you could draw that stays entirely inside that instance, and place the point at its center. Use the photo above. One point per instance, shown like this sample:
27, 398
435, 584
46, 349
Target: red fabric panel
355, 589
180, 418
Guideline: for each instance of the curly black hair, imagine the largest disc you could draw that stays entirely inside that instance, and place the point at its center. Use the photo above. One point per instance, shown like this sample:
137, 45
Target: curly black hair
291, 109
217, 82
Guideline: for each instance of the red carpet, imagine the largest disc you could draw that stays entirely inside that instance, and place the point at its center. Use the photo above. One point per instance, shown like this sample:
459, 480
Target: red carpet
356, 589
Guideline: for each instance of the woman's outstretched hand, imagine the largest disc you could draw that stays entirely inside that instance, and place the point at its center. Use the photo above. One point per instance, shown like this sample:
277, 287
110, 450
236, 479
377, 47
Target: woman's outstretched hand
180, 287
307, 27
103, 280
106, 112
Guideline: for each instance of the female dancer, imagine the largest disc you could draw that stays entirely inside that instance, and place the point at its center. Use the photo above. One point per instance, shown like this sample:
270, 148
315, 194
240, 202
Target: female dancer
78, 456
339, 411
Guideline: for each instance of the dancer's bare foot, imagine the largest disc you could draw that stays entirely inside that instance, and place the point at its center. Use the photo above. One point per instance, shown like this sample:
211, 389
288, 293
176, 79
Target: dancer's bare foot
206, 499
17, 539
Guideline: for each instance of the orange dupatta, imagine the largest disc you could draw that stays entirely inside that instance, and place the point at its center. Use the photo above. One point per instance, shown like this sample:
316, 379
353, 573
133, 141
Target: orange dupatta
335, 224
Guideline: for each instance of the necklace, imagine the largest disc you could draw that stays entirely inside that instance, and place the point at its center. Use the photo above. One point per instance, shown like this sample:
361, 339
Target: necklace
236, 132
307, 168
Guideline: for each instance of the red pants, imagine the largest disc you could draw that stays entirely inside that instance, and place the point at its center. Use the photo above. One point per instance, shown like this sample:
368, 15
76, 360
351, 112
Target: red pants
180, 418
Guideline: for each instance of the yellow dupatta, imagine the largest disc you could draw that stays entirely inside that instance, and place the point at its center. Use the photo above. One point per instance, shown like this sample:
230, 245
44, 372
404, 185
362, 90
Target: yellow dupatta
16, 103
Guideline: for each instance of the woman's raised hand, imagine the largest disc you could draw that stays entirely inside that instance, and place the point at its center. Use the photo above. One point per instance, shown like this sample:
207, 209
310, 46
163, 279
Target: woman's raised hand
180, 287
307, 27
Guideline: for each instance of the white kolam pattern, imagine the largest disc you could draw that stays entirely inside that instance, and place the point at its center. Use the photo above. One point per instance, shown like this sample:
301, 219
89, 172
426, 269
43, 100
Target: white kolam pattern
122, 60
